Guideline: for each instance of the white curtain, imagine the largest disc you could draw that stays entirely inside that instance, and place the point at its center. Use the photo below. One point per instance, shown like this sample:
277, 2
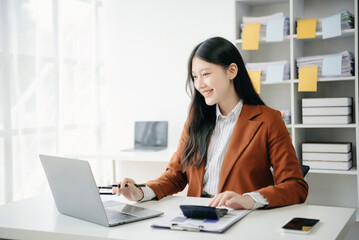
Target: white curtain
52, 88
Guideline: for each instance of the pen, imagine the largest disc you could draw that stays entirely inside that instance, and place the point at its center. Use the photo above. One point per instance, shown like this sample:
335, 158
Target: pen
119, 185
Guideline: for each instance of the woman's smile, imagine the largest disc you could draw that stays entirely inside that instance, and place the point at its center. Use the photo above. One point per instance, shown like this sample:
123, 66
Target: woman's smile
206, 93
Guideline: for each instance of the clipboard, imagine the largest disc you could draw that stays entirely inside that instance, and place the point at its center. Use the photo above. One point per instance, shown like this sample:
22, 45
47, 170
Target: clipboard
181, 223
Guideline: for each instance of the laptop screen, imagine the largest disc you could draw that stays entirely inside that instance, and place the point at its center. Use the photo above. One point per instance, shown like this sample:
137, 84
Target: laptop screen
151, 134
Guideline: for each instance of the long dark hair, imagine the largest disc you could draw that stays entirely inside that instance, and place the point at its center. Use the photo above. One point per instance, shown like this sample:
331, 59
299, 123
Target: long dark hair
202, 118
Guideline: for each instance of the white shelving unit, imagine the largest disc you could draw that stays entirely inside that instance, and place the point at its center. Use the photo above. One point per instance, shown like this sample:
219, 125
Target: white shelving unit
335, 188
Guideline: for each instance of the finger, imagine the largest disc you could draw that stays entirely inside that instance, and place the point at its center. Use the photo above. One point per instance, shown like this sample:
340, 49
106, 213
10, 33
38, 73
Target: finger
115, 190
216, 200
125, 181
224, 199
211, 202
131, 187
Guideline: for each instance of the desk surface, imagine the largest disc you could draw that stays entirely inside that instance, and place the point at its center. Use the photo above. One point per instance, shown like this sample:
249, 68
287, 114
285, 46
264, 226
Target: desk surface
37, 218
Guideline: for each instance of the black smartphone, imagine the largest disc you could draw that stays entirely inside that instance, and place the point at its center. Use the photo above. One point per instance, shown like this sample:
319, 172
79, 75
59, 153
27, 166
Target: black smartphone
300, 225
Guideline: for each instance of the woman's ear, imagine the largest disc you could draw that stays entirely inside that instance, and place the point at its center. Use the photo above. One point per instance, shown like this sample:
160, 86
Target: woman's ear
232, 71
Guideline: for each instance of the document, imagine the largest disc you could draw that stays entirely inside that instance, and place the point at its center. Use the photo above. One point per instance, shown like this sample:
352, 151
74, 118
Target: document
264, 20
180, 222
274, 30
251, 36
265, 66
332, 26
306, 28
255, 77
308, 79
346, 22
332, 65
275, 73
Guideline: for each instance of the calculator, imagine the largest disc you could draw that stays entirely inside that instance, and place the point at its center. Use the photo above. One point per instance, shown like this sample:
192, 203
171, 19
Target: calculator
203, 212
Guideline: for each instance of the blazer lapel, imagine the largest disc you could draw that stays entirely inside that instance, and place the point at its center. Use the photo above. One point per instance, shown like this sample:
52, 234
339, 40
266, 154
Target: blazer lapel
243, 133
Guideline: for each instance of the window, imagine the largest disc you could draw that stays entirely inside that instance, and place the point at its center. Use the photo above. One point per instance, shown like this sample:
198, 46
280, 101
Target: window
53, 94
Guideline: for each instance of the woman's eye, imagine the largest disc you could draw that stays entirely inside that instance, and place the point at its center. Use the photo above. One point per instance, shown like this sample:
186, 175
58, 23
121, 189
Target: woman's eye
205, 74
194, 77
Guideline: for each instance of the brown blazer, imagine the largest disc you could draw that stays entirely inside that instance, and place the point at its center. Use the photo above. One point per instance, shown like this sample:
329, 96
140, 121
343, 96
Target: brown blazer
260, 141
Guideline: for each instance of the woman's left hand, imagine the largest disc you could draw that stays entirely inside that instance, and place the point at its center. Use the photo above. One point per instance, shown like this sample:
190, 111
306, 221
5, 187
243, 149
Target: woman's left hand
232, 200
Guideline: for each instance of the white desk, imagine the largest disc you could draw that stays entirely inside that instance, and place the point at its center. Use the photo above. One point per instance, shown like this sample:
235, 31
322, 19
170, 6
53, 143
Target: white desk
37, 218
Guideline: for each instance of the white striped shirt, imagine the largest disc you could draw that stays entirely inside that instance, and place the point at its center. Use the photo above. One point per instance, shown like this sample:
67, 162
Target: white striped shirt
216, 150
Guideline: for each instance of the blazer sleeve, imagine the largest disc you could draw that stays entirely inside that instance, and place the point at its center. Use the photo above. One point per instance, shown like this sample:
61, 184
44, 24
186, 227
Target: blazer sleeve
290, 186
173, 180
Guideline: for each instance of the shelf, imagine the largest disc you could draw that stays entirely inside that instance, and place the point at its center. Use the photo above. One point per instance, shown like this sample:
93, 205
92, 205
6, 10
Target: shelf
263, 40
285, 95
352, 125
345, 33
274, 83
352, 171
351, 78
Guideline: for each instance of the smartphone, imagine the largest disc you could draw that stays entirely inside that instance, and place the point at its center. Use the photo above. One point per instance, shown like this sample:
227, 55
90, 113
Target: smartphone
300, 225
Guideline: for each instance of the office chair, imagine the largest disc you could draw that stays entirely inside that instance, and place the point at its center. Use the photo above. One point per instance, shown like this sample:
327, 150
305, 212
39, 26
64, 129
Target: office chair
305, 169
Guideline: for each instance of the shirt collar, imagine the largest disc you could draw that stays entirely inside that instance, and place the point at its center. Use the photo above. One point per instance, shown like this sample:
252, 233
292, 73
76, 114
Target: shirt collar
235, 112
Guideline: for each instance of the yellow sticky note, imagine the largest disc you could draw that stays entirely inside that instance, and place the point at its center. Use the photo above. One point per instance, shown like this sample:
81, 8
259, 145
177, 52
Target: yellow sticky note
306, 28
308, 79
250, 36
255, 77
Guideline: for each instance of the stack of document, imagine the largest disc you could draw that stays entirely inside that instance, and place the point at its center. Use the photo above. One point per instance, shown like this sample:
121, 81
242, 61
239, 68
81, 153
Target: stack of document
263, 67
347, 64
263, 21
327, 155
346, 19
327, 110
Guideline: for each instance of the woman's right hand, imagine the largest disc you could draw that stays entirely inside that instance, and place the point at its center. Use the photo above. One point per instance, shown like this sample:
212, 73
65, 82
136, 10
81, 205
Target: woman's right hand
131, 192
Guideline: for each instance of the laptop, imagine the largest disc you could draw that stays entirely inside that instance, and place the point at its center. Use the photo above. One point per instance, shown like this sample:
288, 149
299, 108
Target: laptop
150, 136
76, 194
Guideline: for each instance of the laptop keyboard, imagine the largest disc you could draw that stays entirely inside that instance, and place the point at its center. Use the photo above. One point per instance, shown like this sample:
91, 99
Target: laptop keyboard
116, 216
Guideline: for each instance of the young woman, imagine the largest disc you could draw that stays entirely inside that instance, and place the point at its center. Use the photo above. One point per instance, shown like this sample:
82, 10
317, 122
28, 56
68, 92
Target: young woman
229, 142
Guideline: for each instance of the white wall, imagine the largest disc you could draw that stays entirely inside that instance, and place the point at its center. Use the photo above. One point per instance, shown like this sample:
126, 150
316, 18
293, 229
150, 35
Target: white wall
147, 46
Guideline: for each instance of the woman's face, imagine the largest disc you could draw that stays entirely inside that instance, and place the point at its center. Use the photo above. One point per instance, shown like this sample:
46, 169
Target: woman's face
213, 81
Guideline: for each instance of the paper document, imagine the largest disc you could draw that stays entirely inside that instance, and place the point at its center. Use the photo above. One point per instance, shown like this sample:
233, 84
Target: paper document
279, 26
306, 28
346, 22
328, 64
265, 67
308, 79
332, 26
274, 31
180, 222
255, 77
275, 73
251, 36
332, 65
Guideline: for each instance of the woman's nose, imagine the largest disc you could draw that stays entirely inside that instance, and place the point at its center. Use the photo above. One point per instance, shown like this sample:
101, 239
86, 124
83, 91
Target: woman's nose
200, 83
